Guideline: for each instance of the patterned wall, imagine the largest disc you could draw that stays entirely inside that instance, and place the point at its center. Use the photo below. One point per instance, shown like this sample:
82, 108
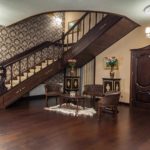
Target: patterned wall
28, 33
58, 78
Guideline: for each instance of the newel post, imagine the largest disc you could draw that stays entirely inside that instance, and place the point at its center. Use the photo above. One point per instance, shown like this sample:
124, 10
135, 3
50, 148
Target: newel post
2, 79
63, 38
63, 50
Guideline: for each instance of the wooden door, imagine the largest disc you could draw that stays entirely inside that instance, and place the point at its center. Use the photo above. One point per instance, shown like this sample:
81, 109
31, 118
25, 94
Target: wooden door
140, 77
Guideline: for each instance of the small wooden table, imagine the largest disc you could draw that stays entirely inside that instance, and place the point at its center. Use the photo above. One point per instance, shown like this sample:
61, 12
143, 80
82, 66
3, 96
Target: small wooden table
75, 98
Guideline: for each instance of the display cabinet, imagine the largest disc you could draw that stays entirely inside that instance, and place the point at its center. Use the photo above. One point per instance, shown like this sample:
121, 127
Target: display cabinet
111, 84
72, 83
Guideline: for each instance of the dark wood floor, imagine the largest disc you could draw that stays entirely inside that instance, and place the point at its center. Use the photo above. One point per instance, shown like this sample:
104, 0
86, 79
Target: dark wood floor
26, 126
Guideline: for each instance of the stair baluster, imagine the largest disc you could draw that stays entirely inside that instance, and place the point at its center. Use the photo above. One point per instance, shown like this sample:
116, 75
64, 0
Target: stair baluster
2, 79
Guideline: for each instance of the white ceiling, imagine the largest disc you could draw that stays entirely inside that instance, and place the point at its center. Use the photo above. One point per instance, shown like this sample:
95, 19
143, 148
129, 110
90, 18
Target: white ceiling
12, 11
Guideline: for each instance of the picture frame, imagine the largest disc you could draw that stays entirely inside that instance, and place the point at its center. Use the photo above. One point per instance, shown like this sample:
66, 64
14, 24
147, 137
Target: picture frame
72, 23
108, 67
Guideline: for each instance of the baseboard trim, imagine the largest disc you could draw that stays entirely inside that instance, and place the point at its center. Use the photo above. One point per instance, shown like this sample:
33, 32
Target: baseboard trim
141, 105
123, 103
34, 97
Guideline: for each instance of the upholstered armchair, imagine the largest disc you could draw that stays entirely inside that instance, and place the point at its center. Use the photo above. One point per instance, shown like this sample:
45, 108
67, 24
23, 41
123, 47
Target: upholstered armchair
93, 91
109, 102
52, 90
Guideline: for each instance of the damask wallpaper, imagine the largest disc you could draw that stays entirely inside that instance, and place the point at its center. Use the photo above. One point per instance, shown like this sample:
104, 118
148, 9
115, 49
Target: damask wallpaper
28, 33
58, 78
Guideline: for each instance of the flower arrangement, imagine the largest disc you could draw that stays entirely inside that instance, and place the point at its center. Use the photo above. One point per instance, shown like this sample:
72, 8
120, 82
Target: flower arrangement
72, 62
111, 62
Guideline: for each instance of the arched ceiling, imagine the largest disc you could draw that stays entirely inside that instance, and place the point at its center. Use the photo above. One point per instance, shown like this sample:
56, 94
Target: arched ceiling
12, 11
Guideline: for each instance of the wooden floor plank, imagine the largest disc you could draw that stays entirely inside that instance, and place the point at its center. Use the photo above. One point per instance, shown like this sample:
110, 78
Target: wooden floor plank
27, 126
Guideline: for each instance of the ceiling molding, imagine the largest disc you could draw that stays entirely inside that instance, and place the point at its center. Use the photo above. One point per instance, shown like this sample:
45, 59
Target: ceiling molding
16, 10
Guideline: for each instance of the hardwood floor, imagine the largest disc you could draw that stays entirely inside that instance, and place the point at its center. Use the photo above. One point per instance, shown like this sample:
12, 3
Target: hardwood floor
26, 126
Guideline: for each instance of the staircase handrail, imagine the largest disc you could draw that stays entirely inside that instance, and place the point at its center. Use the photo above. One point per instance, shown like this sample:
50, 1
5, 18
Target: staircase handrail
26, 53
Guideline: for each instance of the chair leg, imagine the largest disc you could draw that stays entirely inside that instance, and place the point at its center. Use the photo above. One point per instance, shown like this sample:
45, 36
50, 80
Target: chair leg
93, 101
56, 100
115, 110
46, 98
99, 111
60, 101
84, 103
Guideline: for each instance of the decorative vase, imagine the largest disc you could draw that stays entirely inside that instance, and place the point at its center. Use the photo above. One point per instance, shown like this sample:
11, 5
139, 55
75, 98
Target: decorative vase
72, 64
112, 73
72, 71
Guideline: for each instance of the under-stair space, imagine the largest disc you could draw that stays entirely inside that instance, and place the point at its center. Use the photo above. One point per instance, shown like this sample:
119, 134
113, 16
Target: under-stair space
93, 33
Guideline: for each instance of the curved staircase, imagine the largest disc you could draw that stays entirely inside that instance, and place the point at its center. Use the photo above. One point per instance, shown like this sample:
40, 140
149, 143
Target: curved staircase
95, 32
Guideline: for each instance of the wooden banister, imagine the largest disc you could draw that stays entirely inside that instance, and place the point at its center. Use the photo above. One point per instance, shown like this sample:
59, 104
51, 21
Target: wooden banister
26, 53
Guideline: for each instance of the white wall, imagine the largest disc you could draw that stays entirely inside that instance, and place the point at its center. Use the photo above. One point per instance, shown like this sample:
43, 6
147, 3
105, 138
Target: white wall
39, 90
121, 50
72, 16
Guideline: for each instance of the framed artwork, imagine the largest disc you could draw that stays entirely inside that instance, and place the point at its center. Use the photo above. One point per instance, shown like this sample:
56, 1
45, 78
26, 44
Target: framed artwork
107, 66
72, 23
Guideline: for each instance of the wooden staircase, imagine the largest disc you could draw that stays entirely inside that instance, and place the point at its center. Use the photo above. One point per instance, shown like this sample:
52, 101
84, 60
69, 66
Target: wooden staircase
30, 73
95, 35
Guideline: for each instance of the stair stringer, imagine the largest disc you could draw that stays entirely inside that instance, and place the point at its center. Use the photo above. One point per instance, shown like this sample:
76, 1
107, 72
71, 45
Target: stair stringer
111, 29
15, 93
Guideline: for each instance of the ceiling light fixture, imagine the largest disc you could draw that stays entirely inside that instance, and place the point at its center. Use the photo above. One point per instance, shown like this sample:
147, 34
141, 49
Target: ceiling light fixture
147, 32
147, 9
57, 20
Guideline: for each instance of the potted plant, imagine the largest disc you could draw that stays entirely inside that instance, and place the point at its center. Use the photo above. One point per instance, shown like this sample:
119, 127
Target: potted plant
111, 62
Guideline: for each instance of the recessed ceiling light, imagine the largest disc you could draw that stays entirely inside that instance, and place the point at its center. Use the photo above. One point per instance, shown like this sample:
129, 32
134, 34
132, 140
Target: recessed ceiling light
147, 32
147, 9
